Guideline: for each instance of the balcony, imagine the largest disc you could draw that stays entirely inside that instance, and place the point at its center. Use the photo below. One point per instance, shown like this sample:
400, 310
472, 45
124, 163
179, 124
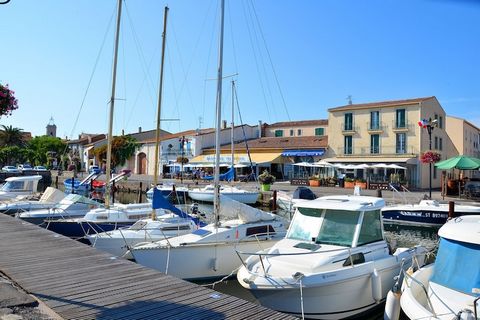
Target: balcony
398, 126
376, 127
349, 129
378, 151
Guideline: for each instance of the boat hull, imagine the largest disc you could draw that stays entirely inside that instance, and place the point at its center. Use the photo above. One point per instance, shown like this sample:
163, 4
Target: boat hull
425, 217
243, 197
210, 261
78, 229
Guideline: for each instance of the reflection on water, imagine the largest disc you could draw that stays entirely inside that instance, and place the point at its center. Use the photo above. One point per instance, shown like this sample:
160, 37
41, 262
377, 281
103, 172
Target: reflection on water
409, 236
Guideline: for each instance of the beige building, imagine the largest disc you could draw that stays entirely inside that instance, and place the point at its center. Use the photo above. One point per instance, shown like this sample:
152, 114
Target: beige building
388, 132
306, 128
465, 136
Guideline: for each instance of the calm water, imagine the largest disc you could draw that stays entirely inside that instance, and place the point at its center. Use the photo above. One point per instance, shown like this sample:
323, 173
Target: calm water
405, 236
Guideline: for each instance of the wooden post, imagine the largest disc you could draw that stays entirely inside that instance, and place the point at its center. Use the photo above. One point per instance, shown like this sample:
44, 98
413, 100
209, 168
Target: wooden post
140, 191
379, 193
451, 209
56, 182
113, 192
73, 183
274, 201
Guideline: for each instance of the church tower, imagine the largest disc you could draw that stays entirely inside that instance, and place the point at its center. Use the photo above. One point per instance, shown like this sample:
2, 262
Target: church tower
51, 128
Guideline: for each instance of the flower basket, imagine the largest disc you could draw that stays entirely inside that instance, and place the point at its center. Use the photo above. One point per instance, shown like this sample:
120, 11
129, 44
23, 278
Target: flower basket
362, 185
349, 184
265, 187
314, 183
266, 178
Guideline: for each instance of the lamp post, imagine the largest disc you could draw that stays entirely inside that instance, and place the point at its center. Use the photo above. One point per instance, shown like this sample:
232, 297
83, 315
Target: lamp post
429, 125
182, 143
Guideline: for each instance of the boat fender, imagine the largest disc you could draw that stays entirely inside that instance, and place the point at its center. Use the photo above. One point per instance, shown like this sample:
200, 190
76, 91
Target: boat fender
392, 306
465, 314
376, 286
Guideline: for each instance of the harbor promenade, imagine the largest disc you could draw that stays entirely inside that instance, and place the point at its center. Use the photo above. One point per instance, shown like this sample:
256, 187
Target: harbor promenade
74, 281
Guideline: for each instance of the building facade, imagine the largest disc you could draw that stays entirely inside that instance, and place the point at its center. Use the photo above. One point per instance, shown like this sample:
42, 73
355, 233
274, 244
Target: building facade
303, 128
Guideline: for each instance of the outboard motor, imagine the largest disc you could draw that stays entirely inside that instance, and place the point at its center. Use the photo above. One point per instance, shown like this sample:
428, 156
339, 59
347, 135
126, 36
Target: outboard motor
304, 193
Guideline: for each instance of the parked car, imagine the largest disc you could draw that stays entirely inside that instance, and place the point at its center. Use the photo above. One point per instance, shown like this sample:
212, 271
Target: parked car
24, 167
10, 169
39, 168
91, 169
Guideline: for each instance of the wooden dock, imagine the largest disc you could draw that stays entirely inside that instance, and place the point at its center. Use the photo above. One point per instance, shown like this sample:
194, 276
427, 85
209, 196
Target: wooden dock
76, 281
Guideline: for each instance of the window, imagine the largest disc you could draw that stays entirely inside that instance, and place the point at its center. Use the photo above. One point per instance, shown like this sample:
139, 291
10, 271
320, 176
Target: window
374, 143
371, 230
319, 131
338, 227
400, 119
436, 143
305, 224
292, 132
348, 145
440, 144
278, 133
374, 120
348, 125
299, 132
440, 122
401, 143
260, 230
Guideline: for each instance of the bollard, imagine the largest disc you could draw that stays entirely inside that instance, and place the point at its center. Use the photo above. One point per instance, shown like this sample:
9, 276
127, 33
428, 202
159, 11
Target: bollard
379, 193
274, 201
451, 209
140, 192
56, 182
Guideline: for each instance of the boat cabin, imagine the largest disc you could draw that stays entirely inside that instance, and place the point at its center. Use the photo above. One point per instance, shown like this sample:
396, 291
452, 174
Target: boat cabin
23, 185
346, 221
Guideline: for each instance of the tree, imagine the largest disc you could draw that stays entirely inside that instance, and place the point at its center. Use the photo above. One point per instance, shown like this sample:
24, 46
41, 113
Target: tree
14, 154
8, 102
47, 149
10, 136
123, 147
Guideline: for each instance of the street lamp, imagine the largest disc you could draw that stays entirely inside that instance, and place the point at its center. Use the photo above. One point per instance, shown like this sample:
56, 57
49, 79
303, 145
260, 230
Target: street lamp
429, 125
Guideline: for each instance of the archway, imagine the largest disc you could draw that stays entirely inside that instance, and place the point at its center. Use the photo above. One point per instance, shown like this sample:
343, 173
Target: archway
142, 163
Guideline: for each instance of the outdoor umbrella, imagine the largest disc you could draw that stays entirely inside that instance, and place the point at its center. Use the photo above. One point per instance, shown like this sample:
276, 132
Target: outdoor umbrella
459, 162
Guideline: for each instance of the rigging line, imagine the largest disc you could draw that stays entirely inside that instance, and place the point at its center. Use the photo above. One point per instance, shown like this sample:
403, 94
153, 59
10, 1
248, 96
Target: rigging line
141, 57
91, 77
270, 60
256, 62
262, 64
230, 19
124, 79
177, 108
212, 36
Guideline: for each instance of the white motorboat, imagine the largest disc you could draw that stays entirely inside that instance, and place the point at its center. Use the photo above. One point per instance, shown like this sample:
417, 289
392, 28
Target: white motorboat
118, 242
450, 287
19, 186
206, 194
333, 263
427, 212
287, 201
209, 252
49, 199
71, 206
168, 190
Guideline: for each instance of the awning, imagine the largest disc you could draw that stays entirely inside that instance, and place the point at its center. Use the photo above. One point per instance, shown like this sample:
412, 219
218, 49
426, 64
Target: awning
257, 158
369, 160
303, 153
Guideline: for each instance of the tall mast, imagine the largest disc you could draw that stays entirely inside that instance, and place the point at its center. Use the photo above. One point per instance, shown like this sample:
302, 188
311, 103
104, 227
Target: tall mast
233, 124
112, 106
216, 200
159, 105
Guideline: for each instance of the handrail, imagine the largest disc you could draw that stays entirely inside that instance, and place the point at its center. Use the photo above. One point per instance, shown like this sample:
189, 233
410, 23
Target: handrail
424, 290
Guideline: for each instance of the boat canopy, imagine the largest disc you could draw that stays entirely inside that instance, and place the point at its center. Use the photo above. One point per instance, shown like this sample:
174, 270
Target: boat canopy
231, 209
456, 266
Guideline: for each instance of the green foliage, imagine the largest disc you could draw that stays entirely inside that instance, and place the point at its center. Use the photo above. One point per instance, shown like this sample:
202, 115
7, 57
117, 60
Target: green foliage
13, 155
266, 178
10, 136
123, 147
46, 149
182, 160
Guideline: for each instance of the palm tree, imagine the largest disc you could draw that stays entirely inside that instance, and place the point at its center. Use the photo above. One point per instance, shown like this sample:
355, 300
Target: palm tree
10, 136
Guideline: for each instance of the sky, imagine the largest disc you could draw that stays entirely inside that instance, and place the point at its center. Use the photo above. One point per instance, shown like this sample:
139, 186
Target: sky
289, 60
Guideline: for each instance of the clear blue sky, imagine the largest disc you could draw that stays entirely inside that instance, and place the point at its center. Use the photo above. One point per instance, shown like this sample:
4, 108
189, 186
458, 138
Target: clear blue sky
312, 53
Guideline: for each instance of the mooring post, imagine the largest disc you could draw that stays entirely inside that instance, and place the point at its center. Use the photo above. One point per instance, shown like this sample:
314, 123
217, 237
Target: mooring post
56, 182
451, 209
274, 201
140, 191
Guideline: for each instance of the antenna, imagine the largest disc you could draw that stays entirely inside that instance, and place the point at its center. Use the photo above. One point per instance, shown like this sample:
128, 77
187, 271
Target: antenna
349, 99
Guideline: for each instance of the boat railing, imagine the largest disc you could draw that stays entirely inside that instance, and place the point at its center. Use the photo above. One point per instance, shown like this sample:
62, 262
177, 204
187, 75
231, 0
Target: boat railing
402, 193
408, 276
265, 253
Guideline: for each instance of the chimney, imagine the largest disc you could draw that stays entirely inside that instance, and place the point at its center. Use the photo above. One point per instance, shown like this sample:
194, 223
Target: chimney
224, 124
260, 128
139, 129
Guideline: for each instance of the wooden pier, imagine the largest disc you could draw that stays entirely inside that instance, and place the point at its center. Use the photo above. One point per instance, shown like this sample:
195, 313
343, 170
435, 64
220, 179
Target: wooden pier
76, 281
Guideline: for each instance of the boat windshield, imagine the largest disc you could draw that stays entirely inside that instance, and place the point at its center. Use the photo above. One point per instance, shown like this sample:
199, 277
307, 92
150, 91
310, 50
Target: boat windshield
324, 226
14, 186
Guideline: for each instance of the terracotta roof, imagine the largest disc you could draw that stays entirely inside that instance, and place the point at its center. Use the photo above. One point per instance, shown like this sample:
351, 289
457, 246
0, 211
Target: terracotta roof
182, 133
320, 122
391, 103
282, 143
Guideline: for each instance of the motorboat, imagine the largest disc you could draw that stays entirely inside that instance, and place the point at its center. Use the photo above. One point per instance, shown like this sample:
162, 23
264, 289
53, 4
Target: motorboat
286, 201
206, 194
333, 263
19, 186
449, 288
169, 190
50, 197
427, 212
71, 206
212, 247
174, 223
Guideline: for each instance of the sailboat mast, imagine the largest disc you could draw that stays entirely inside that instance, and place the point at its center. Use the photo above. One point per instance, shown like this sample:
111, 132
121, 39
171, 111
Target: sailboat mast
216, 200
112, 107
159, 105
233, 124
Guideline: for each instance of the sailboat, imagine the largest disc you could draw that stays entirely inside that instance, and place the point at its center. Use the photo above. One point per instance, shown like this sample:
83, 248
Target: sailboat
206, 194
114, 216
212, 248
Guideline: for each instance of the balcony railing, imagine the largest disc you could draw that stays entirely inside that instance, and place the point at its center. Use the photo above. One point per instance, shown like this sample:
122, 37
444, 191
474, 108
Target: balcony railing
380, 151
348, 128
401, 126
376, 126
178, 153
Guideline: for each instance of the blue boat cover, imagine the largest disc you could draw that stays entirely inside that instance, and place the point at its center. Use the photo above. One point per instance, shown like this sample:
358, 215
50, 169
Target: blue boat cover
303, 153
227, 176
159, 202
457, 266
